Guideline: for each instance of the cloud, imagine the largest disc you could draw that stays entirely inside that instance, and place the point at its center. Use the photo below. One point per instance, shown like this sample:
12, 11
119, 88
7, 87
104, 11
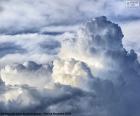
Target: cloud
90, 74
24, 74
10, 48
51, 62
35, 47
32, 16
71, 72
131, 39
50, 47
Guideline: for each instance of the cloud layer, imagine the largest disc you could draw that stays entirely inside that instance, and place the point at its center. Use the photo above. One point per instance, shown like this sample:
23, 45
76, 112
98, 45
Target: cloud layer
32, 16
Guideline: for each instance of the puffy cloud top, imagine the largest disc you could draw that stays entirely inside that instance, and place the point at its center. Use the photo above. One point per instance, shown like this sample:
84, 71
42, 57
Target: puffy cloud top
71, 72
28, 73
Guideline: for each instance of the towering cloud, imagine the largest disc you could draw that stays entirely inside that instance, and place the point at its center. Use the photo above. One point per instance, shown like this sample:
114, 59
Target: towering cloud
31, 16
91, 74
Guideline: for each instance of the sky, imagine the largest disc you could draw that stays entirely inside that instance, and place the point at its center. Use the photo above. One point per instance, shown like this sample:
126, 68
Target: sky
78, 56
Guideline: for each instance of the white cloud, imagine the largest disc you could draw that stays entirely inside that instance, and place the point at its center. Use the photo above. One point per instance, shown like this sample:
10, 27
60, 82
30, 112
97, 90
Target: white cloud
29, 73
90, 74
59, 64
71, 72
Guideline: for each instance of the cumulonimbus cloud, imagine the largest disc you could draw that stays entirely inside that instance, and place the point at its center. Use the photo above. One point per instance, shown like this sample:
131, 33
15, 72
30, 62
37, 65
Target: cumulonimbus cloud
91, 74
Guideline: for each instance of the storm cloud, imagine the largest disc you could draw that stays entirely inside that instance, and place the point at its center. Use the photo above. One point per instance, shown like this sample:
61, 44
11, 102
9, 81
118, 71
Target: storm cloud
86, 72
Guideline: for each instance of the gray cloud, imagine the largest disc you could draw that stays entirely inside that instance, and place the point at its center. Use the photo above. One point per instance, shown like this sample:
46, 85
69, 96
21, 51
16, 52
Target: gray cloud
31, 16
50, 46
10, 48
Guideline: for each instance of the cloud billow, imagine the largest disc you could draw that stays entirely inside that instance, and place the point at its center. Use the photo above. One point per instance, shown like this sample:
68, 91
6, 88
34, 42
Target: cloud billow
92, 74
